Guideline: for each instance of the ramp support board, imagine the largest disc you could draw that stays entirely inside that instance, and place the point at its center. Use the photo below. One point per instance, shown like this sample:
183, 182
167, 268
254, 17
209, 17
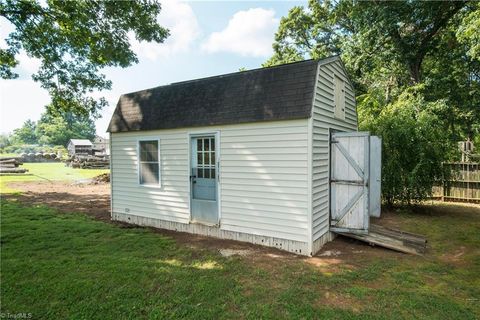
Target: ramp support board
392, 239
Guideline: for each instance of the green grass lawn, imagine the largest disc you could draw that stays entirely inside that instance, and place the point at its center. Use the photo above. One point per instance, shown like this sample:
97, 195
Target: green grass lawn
47, 171
4, 155
69, 266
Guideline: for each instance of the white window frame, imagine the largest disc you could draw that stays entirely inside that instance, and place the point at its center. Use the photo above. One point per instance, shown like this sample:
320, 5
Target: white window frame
139, 162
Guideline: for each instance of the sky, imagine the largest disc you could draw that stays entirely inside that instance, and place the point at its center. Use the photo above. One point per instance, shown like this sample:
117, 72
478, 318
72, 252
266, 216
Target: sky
207, 38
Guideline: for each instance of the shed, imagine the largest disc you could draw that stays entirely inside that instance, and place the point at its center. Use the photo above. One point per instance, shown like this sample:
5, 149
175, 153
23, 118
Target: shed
101, 145
270, 156
79, 147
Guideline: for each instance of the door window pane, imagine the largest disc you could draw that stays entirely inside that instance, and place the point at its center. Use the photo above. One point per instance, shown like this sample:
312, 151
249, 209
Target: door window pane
207, 158
207, 145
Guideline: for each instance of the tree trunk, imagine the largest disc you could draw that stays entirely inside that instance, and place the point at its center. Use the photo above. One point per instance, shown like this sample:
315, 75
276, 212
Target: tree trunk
415, 70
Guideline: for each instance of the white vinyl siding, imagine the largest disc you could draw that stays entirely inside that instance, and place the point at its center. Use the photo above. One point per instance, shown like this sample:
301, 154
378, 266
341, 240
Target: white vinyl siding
263, 177
326, 117
170, 200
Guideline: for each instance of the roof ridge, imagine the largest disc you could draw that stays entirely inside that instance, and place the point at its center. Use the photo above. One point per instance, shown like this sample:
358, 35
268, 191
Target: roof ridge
245, 71
233, 73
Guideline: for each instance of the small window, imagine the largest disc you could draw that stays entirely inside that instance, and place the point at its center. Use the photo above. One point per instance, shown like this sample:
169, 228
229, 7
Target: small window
149, 164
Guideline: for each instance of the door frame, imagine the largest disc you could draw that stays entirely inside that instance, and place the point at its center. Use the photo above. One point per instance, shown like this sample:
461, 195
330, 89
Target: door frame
196, 134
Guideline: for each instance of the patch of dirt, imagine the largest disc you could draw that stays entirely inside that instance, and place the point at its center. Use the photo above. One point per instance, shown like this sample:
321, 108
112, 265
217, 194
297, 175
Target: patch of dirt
233, 252
456, 258
93, 200
347, 253
340, 301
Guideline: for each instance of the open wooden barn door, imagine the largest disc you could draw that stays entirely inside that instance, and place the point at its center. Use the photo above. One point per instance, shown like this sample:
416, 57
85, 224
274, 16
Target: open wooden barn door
349, 182
355, 189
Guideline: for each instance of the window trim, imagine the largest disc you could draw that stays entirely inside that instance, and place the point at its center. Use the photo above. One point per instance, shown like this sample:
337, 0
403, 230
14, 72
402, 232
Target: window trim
139, 162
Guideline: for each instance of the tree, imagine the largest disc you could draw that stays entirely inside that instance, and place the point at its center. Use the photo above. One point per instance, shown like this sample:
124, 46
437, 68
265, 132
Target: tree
367, 33
5, 140
59, 128
414, 142
468, 31
55, 129
399, 54
74, 40
25, 134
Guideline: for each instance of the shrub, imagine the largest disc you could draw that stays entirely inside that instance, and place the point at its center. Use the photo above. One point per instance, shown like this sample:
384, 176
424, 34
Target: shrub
415, 144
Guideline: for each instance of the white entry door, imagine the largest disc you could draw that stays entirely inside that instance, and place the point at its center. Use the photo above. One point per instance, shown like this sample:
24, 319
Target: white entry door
203, 180
349, 182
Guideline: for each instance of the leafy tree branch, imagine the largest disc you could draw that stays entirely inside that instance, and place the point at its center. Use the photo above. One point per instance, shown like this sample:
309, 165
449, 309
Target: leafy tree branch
74, 40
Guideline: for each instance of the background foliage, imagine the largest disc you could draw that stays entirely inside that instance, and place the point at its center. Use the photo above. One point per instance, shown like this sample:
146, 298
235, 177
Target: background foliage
53, 129
416, 70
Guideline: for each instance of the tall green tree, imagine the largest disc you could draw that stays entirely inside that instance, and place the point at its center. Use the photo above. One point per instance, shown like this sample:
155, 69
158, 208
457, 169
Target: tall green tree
26, 133
5, 140
74, 40
372, 36
414, 142
422, 56
59, 128
55, 129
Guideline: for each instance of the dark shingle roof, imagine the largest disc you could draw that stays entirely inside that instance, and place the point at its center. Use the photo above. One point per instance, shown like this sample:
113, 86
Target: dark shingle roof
276, 93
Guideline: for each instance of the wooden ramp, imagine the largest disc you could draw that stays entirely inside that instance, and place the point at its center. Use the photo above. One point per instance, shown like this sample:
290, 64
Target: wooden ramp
392, 239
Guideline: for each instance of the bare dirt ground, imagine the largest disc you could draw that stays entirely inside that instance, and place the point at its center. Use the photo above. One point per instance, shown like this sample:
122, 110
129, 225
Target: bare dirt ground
91, 199
94, 200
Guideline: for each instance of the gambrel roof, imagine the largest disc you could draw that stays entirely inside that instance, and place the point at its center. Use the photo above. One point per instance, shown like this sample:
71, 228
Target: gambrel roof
281, 92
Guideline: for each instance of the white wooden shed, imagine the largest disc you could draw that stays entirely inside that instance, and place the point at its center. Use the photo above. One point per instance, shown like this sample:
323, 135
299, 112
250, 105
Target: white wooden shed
79, 147
270, 156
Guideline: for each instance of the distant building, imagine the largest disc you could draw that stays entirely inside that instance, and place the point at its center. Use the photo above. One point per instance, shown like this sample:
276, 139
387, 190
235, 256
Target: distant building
101, 145
79, 147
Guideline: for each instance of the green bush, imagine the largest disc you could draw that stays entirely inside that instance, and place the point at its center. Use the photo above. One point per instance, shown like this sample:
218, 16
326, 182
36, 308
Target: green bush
415, 143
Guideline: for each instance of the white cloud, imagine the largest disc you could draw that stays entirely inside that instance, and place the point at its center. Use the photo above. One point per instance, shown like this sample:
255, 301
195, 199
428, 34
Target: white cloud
180, 19
248, 33
26, 63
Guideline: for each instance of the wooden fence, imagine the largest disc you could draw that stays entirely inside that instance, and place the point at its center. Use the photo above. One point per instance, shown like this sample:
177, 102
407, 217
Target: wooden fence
462, 183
